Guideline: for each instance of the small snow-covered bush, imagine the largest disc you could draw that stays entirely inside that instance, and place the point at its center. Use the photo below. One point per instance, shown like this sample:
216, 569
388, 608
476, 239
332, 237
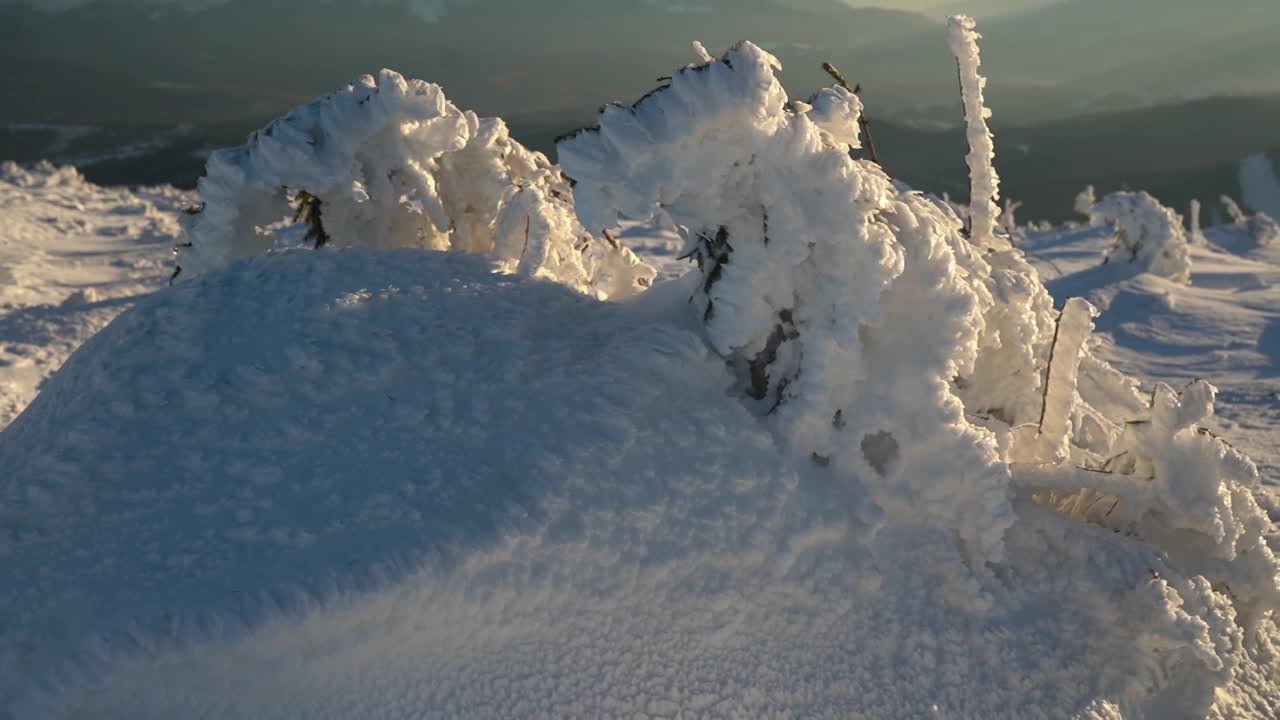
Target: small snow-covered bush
848, 306
878, 340
391, 163
1148, 234
1260, 227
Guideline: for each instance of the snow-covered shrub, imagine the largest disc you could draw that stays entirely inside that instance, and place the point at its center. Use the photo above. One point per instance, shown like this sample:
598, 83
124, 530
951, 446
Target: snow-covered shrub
391, 163
1261, 228
874, 338
984, 183
848, 306
1148, 234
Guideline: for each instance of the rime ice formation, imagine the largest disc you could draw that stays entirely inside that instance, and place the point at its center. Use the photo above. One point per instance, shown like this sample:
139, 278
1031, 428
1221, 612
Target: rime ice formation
1149, 235
984, 183
394, 164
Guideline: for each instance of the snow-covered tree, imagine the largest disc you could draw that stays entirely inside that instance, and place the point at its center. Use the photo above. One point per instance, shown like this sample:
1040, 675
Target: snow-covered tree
391, 163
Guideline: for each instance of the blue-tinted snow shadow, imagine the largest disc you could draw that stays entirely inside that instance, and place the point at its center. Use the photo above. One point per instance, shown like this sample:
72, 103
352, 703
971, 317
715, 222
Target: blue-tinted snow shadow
303, 425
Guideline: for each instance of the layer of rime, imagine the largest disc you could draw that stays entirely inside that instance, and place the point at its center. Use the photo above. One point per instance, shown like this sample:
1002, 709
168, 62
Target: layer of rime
1149, 235
391, 163
840, 299
984, 183
874, 472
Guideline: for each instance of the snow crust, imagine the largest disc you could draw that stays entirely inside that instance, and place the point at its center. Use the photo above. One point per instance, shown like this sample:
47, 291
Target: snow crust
394, 164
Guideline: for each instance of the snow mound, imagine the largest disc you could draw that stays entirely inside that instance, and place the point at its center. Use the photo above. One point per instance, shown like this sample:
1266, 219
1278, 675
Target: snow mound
391, 163
1149, 235
355, 483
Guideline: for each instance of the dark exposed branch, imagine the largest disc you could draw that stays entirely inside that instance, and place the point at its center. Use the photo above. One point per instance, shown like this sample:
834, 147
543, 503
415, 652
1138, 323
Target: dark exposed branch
863, 123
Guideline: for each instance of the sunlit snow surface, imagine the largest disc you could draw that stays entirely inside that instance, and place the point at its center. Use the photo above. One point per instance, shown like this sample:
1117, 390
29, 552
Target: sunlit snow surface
459, 494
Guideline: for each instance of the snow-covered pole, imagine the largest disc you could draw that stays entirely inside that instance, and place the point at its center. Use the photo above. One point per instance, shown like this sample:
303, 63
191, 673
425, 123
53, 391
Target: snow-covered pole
984, 183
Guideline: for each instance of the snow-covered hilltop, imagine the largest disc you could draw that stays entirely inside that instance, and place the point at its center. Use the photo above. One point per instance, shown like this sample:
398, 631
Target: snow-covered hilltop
460, 460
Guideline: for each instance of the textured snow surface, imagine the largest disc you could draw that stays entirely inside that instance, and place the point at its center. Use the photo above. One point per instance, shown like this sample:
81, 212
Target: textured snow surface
359, 484
72, 256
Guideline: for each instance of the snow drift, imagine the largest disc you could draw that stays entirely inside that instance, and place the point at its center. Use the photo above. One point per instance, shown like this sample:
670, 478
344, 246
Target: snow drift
854, 464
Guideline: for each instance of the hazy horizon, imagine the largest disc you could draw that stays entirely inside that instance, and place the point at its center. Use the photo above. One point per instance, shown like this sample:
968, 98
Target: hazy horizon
1166, 94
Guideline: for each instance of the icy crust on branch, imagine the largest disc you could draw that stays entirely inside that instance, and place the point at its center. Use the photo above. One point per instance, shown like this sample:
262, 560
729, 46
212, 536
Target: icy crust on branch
839, 298
984, 183
875, 339
394, 164
1148, 234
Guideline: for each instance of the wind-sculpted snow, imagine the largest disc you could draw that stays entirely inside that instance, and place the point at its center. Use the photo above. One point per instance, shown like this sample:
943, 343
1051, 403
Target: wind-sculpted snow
391, 163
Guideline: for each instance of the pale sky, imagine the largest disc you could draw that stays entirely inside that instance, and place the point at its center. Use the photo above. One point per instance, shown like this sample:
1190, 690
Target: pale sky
432, 8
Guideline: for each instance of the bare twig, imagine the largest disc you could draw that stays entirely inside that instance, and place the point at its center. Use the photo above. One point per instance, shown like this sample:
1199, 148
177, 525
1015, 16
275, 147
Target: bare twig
863, 123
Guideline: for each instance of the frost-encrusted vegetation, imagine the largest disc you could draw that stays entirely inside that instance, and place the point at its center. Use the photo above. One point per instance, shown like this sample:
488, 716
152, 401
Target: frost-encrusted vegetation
391, 163
984, 183
878, 340
1260, 228
1149, 235
858, 436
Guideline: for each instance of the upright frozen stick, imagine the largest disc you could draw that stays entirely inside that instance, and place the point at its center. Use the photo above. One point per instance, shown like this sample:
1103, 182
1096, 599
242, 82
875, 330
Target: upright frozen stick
984, 183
